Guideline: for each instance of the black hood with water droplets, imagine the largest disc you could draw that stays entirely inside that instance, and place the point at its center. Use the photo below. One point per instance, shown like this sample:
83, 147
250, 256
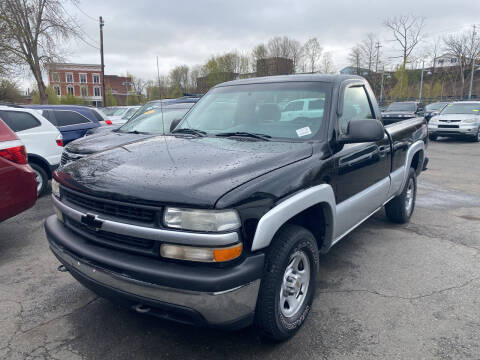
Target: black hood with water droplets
179, 170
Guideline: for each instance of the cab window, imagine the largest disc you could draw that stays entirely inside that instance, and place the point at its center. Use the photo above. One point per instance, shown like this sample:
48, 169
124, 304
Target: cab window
356, 106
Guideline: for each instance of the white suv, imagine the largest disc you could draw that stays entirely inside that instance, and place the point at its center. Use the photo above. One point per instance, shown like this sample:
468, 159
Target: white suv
43, 141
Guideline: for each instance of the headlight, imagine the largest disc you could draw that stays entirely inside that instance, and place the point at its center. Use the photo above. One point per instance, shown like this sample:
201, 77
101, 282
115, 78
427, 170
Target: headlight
469, 121
433, 120
55, 188
201, 220
200, 254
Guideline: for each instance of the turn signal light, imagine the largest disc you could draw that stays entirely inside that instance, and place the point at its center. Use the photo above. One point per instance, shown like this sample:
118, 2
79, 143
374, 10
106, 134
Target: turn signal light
108, 122
227, 254
17, 154
201, 254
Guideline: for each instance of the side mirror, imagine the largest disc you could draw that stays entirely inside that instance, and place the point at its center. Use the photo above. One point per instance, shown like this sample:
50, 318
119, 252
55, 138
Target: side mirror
359, 131
174, 124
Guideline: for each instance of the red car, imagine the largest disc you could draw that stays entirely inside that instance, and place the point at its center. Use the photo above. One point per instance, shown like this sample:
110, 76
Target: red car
18, 188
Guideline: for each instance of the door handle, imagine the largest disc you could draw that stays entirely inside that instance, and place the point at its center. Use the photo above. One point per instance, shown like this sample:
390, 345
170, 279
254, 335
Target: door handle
359, 159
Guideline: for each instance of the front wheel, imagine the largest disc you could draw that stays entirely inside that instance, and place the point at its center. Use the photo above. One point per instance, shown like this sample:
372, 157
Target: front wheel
433, 137
288, 286
476, 138
400, 208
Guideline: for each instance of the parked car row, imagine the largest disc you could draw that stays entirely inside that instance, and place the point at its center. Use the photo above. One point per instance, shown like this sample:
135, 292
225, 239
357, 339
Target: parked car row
449, 119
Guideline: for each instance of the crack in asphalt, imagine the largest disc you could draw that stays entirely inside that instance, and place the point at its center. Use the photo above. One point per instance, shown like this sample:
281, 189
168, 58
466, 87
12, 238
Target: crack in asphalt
414, 228
436, 292
46, 351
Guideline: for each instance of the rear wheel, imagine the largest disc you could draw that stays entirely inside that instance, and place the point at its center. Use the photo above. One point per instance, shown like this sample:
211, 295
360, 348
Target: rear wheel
41, 178
288, 286
401, 207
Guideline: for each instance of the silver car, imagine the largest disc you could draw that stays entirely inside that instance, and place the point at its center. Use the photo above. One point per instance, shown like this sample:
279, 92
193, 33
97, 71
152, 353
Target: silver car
460, 118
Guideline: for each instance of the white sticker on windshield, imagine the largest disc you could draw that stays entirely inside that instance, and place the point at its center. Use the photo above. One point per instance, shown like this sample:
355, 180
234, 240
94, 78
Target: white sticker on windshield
304, 131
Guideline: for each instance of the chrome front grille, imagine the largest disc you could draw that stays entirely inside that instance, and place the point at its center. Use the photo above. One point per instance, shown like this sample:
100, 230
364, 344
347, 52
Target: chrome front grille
138, 213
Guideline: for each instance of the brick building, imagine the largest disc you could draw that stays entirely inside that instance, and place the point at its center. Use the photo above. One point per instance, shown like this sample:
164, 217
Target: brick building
79, 80
120, 86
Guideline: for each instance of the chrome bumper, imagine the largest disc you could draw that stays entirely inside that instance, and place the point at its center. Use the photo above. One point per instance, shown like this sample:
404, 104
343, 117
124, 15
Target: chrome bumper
217, 308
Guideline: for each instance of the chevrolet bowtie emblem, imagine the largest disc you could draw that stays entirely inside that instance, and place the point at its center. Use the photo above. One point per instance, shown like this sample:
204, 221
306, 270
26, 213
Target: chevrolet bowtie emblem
92, 222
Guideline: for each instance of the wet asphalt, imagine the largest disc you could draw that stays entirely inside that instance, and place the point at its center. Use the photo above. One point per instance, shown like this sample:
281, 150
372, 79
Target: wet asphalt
385, 292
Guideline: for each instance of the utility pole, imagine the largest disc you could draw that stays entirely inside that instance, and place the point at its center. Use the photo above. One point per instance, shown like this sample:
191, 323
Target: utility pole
473, 63
378, 46
381, 86
158, 80
104, 98
421, 82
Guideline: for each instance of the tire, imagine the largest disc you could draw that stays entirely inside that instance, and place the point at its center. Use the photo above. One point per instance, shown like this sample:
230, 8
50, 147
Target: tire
433, 137
476, 138
41, 178
401, 207
293, 254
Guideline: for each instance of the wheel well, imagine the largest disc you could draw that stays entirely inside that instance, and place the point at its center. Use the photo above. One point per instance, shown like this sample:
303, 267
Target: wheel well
417, 161
35, 159
318, 220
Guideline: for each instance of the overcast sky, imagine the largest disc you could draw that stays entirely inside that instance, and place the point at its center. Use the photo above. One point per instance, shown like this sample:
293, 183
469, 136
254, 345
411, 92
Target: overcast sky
188, 32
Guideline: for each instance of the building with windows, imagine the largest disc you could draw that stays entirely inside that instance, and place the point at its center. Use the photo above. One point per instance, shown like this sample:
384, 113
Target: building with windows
447, 60
80, 80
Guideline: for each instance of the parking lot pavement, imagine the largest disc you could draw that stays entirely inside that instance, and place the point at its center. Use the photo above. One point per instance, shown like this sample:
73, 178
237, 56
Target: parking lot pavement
386, 291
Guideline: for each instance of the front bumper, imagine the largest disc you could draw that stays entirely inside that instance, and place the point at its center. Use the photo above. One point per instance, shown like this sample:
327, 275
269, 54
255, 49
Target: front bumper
462, 130
220, 297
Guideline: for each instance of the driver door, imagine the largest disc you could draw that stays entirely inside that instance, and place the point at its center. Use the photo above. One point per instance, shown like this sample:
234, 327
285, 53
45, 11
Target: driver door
362, 169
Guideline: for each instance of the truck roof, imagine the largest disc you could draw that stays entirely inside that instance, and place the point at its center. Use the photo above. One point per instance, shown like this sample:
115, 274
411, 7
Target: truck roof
337, 78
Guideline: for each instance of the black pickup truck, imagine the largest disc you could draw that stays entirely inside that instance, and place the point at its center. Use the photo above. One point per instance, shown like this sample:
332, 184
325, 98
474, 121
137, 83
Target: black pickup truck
398, 111
221, 222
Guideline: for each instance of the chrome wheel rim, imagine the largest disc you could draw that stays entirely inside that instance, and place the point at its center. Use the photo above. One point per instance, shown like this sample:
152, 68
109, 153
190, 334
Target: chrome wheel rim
409, 196
295, 283
39, 180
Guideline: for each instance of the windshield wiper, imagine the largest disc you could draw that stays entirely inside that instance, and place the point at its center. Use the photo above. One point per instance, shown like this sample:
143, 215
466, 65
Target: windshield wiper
189, 131
137, 132
245, 134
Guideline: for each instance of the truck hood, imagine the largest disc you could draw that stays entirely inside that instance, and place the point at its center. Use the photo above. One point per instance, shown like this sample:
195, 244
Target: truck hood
179, 170
103, 141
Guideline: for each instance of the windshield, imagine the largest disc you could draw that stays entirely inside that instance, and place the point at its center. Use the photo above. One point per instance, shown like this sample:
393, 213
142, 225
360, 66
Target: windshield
153, 122
465, 108
129, 113
401, 106
269, 109
109, 111
435, 106
120, 111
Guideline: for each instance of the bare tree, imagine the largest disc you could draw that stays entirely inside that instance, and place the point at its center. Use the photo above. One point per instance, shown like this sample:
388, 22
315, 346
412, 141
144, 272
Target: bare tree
259, 52
465, 47
178, 76
407, 31
138, 86
312, 51
194, 74
326, 64
355, 59
369, 51
30, 31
